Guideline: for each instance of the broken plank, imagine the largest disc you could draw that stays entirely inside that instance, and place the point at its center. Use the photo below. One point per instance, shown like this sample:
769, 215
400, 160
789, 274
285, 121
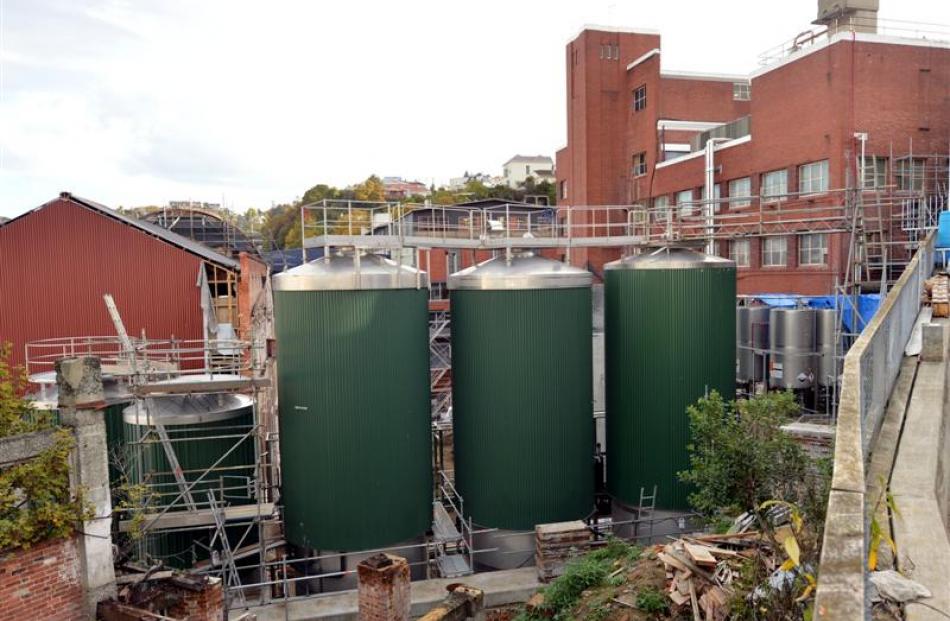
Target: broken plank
670, 560
700, 554
692, 601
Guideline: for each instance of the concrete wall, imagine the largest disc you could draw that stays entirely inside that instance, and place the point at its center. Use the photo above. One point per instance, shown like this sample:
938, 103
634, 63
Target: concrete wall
871, 368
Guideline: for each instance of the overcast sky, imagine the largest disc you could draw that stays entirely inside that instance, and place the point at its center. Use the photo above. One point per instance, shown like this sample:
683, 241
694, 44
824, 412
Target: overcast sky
134, 102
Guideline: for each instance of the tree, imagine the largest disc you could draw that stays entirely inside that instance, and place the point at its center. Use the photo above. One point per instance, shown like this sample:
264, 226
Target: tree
370, 190
740, 457
318, 193
36, 501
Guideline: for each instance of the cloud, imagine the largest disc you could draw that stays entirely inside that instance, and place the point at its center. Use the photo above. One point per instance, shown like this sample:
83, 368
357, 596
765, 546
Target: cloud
166, 153
131, 102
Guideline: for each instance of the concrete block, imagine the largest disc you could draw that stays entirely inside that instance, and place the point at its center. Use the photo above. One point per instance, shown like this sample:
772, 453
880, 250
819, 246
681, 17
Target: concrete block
934, 346
79, 381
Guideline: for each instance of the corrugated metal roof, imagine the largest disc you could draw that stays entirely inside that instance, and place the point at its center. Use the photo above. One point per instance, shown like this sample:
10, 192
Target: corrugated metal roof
56, 265
146, 227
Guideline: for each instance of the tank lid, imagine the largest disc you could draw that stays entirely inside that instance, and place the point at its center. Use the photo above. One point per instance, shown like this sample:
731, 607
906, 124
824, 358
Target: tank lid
339, 272
670, 258
525, 271
187, 409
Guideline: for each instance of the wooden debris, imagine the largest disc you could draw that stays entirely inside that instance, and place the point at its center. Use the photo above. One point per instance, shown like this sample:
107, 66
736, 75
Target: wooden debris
702, 568
700, 554
937, 290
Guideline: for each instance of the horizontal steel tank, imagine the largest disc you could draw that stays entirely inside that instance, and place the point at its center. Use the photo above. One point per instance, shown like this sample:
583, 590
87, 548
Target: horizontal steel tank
792, 364
829, 352
670, 320
752, 336
355, 425
522, 398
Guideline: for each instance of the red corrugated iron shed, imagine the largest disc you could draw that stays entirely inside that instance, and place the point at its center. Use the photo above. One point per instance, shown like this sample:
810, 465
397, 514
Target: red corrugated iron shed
58, 260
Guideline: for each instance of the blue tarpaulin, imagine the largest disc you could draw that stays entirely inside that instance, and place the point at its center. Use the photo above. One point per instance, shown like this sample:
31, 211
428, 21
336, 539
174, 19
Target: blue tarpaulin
867, 305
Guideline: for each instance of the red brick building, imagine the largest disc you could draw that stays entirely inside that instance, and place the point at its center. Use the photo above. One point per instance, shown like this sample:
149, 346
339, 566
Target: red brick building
788, 142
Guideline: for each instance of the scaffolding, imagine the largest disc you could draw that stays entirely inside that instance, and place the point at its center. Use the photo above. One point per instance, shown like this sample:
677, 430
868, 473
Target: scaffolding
214, 514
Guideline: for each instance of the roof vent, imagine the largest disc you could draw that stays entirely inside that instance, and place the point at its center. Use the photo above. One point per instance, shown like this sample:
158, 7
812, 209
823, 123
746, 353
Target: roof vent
849, 15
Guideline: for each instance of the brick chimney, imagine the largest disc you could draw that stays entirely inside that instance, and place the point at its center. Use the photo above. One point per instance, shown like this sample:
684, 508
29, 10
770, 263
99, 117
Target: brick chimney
384, 588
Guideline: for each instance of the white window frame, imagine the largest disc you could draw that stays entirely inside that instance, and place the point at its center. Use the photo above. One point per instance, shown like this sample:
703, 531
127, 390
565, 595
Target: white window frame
777, 256
740, 251
813, 177
640, 98
639, 164
875, 172
813, 249
733, 193
661, 207
741, 91
717, 195
913, 170
685, 207
769, 186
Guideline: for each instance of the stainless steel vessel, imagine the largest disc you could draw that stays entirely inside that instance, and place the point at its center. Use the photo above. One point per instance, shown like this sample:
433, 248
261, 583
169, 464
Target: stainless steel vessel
752, 336
828, 352
792, 363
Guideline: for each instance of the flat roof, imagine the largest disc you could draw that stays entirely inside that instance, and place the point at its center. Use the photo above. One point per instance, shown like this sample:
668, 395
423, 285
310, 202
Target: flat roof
622, 29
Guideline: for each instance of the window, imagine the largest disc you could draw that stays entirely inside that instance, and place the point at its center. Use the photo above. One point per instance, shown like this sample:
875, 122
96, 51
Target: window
739, 188
527, 169
639, 164
717, 194
813, 178
640, 97
741, 91
684, 200
661, 205
813, 249
774, 251
564, 189
775, 184
609, 51
910, 174
875, 172
739, 252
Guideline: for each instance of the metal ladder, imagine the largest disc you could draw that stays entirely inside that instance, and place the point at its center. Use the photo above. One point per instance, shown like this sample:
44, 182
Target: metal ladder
452, 546
646, 511
232, 579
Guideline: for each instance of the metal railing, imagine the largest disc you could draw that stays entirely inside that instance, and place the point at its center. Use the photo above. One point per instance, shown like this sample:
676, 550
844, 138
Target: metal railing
153, 357
899, 213
885, 27
871, 368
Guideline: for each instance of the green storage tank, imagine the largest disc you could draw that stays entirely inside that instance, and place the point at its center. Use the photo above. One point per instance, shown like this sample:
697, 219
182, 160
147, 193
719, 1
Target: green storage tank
355, 423
670, 321
521, 393
201, 428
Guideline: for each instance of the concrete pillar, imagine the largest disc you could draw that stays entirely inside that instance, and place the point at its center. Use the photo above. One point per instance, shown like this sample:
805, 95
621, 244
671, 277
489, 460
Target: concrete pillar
934, 345
384, 588
80, 404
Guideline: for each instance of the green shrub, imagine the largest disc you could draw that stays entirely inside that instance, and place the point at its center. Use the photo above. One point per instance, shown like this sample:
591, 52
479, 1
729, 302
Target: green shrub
651, 600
